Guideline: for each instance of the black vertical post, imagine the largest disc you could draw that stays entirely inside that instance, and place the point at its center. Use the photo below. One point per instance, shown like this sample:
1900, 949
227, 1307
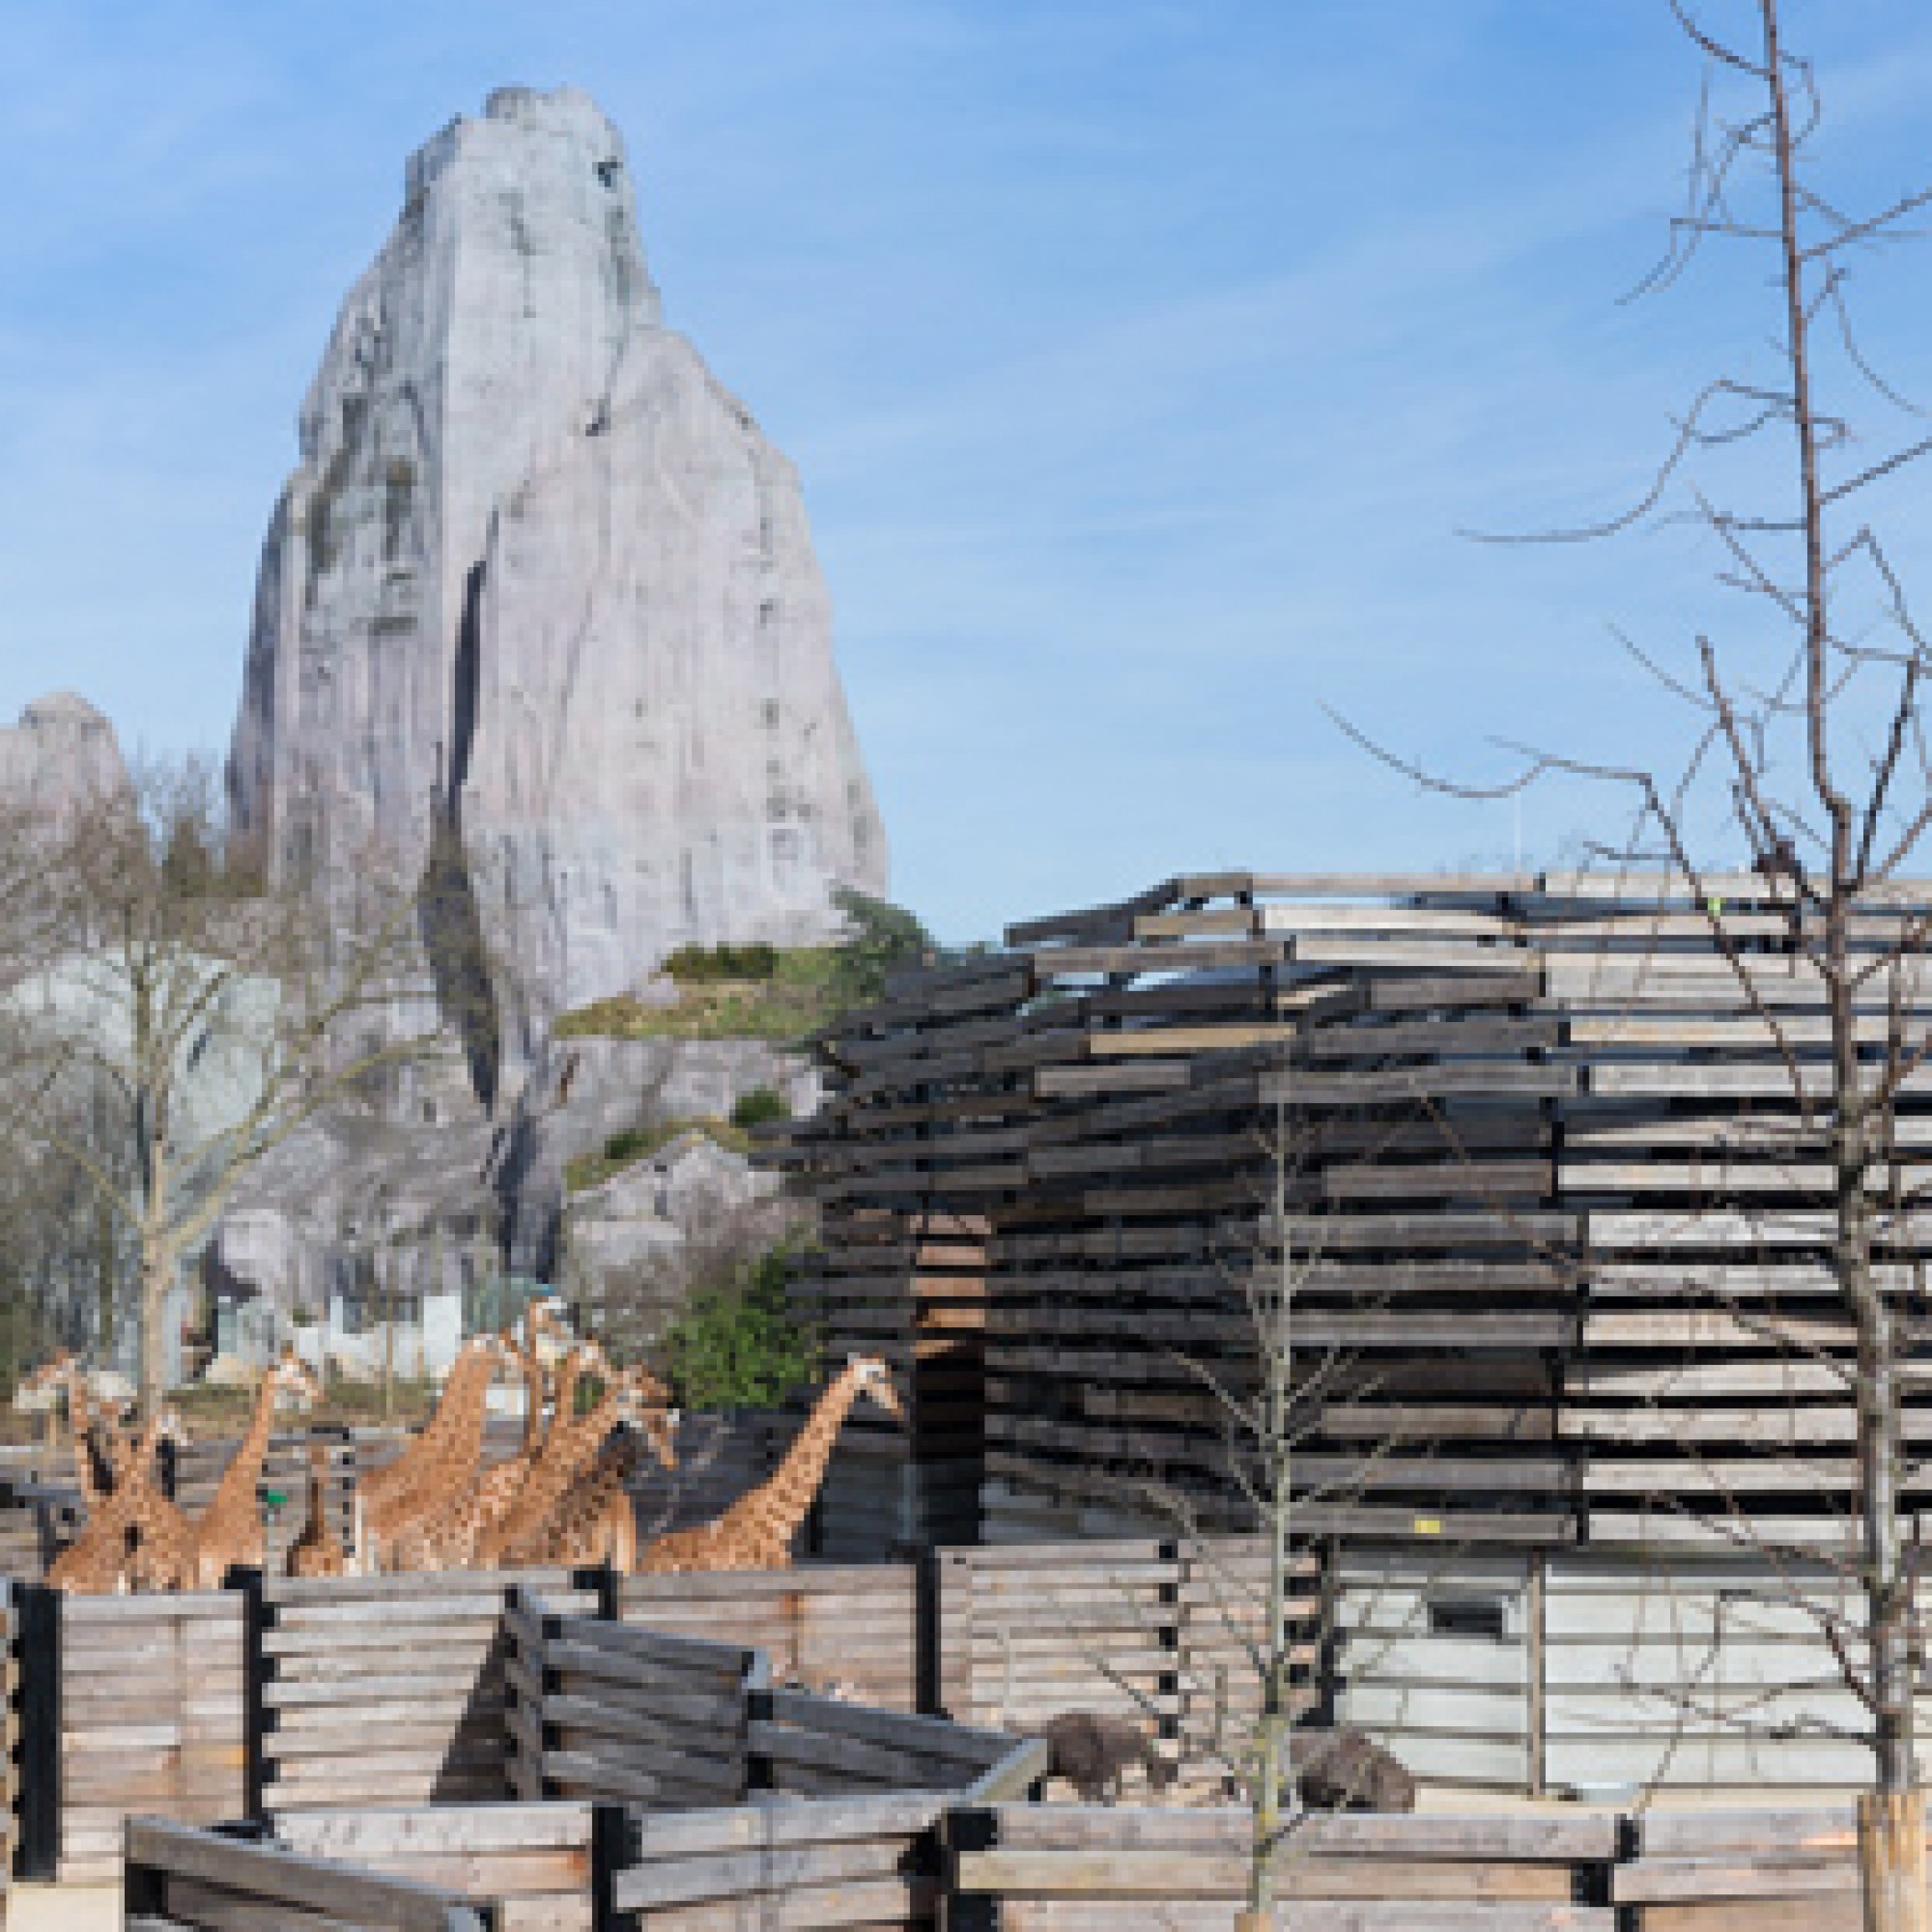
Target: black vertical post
1170, 1644
36, 1856
1328, 1637
969, 1829
256, 1721
613, 1848
758, 1695
928, 1661
607, 1585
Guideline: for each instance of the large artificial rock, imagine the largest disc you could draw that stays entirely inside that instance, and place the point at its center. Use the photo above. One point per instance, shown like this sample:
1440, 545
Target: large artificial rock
61, 754
538, 608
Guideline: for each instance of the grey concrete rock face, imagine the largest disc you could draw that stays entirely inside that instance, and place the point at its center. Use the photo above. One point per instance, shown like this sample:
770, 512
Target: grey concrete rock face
581, 1092
541, 596
62, 752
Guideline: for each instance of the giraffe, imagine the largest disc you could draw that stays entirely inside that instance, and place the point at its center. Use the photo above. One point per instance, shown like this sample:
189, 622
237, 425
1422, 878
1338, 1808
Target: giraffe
596, 1522
756, 1531
569, 1449
229, 1530
317, 1551
449, 1473
446, 1538
388, 1489
63, 1374
138, 1538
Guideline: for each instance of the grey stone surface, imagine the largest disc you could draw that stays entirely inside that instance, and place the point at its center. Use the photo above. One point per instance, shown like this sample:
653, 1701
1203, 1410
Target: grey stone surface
62, 752
583, 1090
540, 596
633, 1246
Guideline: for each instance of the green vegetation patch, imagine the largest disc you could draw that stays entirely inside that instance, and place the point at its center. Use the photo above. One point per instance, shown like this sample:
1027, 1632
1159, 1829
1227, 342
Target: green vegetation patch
780, 993
635, 1143
737, 1345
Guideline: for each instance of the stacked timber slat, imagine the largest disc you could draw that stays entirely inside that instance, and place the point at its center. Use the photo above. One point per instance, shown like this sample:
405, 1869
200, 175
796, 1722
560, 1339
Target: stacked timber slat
792, 1861
1556, 1190
1089, 1869
532, 1862
152, 1718
820, 1625
387, 1690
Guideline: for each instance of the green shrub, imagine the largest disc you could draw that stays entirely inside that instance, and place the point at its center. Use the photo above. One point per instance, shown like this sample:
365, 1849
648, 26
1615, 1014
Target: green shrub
737, 1345
880, 939
760, 1105
707, 965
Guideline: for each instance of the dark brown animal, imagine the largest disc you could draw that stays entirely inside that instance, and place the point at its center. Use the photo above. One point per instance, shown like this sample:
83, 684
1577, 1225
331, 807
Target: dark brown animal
1091, 1751
1347, 1770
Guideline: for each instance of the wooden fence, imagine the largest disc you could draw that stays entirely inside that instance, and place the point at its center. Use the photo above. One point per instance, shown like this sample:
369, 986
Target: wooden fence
532, 1862
1741, 1871
1085, 1869
180, 1880
803, 1862
1145, 1628
913, 1859
603, 1711
387, 1690
820, 1623
152, 1717
824, 1747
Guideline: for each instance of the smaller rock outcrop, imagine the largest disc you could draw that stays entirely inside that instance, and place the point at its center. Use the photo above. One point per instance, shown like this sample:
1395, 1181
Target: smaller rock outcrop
61, 754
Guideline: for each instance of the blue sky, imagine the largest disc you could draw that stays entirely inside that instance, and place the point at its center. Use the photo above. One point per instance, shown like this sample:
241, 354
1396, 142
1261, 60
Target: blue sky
1143, 360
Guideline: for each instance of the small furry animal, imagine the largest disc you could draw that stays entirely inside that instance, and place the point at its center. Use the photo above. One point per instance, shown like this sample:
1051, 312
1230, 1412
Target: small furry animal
1091, 1751
1346, 1770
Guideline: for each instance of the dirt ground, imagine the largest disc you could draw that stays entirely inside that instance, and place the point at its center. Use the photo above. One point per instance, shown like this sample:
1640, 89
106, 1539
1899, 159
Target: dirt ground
64, 1908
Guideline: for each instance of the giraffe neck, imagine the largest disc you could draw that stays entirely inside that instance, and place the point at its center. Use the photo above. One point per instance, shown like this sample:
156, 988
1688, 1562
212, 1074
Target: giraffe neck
464, 1390
81, 1419
533, 1404
570, 1447
236, 1488
778, 1506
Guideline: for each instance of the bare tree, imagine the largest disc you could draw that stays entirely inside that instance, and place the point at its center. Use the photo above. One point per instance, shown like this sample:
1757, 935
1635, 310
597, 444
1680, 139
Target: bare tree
206, 1016
1813, 746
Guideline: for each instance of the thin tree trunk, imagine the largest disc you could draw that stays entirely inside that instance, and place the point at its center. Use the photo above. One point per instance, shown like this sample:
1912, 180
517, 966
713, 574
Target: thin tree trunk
157, 1279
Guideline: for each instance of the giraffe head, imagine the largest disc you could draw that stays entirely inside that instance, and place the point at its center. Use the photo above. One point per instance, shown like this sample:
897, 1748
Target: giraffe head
873, 1377
289, 1376
41, 1388
546, 1331
640, 1400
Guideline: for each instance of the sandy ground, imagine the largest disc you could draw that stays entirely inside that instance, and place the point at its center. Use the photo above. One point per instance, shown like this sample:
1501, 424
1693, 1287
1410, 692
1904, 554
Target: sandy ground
64, 1908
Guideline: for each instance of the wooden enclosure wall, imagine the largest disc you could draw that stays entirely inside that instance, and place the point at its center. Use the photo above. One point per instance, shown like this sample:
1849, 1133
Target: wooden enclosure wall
1741, 1871
180, 1880
152, 1718
1560, 1230
1085, 1869
824, 1747
608, 1711
604, 1712
532, 1862
803, 1864
820, 1623
1147, 1628
1598, 1671
389, 1689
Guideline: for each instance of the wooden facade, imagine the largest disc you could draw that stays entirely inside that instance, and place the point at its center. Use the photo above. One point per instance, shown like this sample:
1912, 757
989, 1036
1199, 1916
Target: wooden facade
1558, 1229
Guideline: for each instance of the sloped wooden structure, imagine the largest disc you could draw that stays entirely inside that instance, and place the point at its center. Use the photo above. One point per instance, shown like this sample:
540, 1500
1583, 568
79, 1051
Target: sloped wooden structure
1559, 1228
